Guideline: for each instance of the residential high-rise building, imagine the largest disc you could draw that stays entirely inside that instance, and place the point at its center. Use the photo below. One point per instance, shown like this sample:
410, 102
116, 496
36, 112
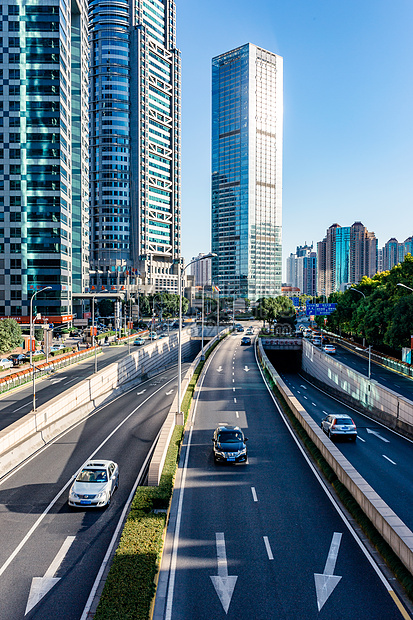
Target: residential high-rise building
302, 270
345, 255
135, 111
395, 252
247, 125
44, 175
201, 270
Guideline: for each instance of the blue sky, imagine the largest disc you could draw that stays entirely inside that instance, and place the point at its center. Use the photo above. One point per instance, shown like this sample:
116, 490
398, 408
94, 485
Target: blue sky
348, 111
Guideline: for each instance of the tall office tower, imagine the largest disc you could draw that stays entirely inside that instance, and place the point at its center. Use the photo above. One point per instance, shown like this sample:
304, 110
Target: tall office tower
345, 255
201, 270
395, 252
298, 269
135, 143
247, 119
44, 151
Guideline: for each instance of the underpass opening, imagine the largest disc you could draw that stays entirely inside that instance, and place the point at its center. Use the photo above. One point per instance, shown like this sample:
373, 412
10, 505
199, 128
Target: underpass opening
285, 361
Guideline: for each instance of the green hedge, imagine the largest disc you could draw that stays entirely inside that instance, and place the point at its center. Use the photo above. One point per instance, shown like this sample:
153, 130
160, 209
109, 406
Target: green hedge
130, 586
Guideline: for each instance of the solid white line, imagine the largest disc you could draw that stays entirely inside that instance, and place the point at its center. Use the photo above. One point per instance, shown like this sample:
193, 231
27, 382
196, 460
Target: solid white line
63, 489
172, 570
22, 407
386, 457
59, 557
254, 494
114, 539
71, 380
268, 547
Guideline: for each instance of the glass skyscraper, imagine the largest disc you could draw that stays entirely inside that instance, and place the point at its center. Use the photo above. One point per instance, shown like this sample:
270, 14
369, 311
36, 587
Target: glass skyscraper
247, 125
135, 142
43, 156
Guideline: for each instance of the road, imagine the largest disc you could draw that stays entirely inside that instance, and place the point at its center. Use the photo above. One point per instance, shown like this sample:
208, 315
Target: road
17, 403
36, 520
261, 540
381, 456
388, 378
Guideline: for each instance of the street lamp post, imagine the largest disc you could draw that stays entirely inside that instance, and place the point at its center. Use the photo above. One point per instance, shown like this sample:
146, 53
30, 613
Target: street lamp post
364, 340
46, 288
202, 324
181, 269
93, 331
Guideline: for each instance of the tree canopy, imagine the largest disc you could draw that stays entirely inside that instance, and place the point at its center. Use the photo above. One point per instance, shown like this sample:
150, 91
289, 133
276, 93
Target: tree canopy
10, 335
384, 315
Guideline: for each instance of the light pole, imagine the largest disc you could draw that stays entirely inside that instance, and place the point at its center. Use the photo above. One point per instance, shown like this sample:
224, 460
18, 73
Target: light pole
181, 269
46, 288
93, 330
202, 324
361, 293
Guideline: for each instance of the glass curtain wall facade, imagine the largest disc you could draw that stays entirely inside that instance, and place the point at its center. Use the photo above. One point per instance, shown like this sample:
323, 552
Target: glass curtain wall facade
247, 117
44, 156
135, 142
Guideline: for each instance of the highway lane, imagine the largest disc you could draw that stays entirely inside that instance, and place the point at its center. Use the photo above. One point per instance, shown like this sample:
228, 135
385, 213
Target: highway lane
258, 540
388, 378
36, 520
381, 456
19, 402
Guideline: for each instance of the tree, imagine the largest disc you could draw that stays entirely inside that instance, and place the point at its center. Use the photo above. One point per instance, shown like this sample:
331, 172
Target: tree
106, 307
10, 335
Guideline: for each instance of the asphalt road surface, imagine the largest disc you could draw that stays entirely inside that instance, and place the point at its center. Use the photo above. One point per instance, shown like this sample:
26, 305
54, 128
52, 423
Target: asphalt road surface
262, 540
41, 536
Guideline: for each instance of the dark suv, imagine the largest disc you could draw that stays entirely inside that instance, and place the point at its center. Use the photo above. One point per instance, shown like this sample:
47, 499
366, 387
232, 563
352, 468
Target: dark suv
229, 445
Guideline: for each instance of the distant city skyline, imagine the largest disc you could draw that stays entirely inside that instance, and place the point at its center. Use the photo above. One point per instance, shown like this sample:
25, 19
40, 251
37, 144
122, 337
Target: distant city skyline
348, 142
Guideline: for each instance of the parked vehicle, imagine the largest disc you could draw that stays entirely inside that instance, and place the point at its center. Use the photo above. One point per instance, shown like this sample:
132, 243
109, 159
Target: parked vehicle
5, 363
17, 359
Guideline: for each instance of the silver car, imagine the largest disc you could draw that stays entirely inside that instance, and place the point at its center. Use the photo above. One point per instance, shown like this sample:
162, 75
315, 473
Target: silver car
94, 485
339, 425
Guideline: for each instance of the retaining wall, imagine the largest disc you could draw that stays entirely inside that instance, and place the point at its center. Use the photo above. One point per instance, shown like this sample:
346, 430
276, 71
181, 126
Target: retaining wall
382, 403
31, 432
387, 523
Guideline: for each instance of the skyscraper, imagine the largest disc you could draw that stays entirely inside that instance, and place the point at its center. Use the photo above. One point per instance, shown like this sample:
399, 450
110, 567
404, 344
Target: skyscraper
345, 255
247, 118
44, 152
135, 142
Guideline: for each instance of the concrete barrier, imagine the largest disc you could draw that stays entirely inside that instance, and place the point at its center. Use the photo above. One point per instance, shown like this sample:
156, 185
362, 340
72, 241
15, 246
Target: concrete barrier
31, 432
159, 455
388, 524
382, 403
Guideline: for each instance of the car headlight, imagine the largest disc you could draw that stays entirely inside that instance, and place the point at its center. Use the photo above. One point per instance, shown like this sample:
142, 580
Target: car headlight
220, 452
101, 495
73, 495
243, 451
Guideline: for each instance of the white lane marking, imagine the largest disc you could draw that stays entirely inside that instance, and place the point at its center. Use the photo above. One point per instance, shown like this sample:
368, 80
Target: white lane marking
224, 584
236, 414
376, 434
386, 457
22, 407
71, 380
305, 397
254, 494
325, 412
219, 369
303, 386
69, 482
169, 393
327, 581
53, 381
361, 439
268, 548
233, 381
298, 391
139, 393
233, 373
235, 400
40, 586
314, 405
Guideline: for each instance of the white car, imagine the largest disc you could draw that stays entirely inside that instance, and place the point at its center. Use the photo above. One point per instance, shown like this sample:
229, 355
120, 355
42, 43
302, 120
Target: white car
5, 363
329, 348
94, 485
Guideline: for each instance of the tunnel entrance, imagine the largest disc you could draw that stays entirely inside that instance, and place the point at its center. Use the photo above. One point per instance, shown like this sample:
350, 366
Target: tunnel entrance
285, 361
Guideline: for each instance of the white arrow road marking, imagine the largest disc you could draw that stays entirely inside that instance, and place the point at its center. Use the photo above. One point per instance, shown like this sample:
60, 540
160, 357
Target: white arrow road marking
224, 584
41, 585
246, 368
303, 386
168, 393
139, 393
370, 432
219, 369
57, 380
326, 582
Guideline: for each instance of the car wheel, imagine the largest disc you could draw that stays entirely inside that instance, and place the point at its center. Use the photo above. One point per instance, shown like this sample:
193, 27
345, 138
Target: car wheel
330, 435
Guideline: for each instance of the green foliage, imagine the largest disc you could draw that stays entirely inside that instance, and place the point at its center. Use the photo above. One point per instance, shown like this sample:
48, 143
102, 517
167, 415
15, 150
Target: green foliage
163, 302
384, 315
10, 335
106, 307
280, 309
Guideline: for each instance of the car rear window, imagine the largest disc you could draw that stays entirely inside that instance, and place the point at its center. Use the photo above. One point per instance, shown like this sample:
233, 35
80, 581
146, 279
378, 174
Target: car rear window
344, 421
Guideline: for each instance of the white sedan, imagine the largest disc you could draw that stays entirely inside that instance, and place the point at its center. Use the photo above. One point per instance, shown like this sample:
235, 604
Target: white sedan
5, 363
95, 484
329, 348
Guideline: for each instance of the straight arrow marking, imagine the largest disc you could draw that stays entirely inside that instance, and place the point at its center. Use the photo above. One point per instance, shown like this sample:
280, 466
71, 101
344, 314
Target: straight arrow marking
219, 369
168, 393
370, 432
139, 393
223, 583
246, 368
41, 585
327, 581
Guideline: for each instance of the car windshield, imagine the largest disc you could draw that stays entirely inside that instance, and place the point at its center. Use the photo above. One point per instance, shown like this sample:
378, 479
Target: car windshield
228, 437
92, 475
